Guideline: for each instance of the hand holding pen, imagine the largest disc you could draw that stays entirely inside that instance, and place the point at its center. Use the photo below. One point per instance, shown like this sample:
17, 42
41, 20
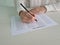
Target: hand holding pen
27, 16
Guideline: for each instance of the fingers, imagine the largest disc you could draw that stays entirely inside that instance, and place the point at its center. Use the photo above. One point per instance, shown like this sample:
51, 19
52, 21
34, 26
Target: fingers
30, 15
28, 20
27, 17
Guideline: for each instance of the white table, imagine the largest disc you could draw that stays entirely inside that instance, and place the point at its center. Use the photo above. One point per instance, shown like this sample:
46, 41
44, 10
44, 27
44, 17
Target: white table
47, 36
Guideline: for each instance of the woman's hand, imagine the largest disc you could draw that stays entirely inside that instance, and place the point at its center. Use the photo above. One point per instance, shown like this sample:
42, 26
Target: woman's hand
26, 17
41, 9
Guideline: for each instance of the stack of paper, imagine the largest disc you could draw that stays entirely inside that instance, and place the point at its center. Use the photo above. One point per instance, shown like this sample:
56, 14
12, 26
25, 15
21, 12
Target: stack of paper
18, 27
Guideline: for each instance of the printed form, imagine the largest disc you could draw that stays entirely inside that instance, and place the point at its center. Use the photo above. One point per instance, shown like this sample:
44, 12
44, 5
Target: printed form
18, 27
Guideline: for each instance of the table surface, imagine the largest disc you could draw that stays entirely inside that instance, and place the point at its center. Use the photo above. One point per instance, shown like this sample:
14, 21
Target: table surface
47, 36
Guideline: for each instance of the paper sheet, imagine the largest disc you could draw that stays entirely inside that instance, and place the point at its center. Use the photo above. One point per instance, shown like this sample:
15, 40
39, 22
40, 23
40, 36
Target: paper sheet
18, 27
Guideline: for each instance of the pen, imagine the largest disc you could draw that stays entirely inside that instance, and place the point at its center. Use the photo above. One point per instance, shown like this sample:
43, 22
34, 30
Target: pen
27, 10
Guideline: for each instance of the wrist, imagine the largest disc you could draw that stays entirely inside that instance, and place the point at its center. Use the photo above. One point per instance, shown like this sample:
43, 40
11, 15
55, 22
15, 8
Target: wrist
44, 9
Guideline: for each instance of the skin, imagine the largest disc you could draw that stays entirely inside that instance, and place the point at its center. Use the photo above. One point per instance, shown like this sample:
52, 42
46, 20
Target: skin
27, 18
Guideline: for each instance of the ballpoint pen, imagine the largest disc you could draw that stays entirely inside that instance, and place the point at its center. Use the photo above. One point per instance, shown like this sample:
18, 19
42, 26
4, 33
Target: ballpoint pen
27, 10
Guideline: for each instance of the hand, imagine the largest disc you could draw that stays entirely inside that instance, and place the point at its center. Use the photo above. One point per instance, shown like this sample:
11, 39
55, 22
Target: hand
41, 9
26, 17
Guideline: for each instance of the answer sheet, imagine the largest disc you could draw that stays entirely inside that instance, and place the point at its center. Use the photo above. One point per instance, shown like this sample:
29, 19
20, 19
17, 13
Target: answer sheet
18, 27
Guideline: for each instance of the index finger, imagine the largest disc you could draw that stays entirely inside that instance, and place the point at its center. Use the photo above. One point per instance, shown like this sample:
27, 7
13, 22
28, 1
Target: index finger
31, 15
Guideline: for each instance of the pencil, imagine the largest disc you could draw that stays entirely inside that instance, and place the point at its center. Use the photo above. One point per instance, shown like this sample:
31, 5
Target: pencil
27, 10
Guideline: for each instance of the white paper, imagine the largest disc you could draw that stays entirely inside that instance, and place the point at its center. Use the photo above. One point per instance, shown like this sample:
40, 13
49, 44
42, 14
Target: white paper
18, 27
